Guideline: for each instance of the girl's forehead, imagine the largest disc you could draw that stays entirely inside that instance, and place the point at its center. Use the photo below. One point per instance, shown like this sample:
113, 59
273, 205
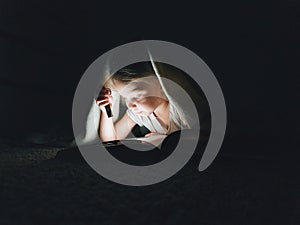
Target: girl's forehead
133, 90
142, 84
125, 89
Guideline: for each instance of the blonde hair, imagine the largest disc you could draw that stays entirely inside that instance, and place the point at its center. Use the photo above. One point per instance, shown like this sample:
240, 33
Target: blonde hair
126, 76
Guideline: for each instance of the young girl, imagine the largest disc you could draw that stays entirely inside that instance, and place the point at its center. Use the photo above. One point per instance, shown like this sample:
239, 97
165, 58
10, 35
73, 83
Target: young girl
147, 106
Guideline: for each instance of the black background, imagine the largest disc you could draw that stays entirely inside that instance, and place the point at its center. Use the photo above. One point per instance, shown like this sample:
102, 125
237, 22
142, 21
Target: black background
253, 50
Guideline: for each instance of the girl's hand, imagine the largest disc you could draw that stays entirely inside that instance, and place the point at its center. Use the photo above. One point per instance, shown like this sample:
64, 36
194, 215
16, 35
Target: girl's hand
104, 99
151, 134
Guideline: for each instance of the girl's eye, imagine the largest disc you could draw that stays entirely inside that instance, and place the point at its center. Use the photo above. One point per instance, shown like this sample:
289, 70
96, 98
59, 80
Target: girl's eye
134, 99
138, 97
130, 101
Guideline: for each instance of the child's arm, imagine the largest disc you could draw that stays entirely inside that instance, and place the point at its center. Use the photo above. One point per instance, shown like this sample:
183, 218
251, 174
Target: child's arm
108, 131
124, 126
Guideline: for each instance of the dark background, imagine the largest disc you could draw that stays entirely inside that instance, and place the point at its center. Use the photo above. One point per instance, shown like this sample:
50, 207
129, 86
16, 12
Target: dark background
253, 50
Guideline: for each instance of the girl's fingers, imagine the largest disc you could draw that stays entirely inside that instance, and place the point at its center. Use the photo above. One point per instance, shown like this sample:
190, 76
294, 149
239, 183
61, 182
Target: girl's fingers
105, 91
102, 97
151, 134
110, 99
102, 102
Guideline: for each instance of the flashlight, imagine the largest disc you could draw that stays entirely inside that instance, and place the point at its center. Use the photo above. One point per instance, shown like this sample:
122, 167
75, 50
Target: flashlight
107, 107
108, 111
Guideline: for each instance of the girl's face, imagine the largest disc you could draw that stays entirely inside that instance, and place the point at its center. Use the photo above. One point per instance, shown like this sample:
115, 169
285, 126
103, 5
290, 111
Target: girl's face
142, 96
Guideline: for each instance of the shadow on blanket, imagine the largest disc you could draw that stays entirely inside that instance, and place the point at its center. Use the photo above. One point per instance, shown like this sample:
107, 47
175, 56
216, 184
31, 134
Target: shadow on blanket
140, 158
